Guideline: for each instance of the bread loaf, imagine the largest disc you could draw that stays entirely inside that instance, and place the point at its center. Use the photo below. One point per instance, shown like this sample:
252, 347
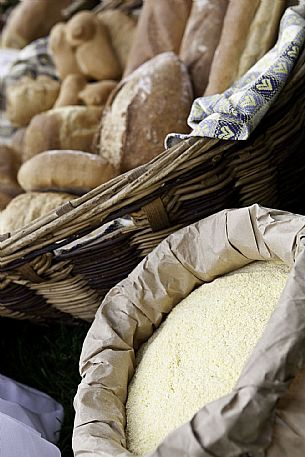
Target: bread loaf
30, 20
17, 143
200, 40
30, 206
70, 90
66, 171
9, 165
28, 97
121, 29
145, 107
160, 29
225, 65
62, 52
262, 34
94, 53
196, 356
97, 93
70, 127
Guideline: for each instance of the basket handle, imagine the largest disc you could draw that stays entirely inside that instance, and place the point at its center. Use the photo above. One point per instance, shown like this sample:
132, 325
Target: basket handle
156, 215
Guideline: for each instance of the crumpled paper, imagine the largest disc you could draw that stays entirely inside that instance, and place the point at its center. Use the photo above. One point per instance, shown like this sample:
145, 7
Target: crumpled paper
234, 114
260, 416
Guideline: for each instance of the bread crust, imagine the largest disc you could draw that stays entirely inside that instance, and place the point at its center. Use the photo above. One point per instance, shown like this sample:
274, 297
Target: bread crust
237, 22
30, 20
28, 97
121, 29
69, 127
27, 207
150, 103
262, 34
160, 29
69, 171
200, 40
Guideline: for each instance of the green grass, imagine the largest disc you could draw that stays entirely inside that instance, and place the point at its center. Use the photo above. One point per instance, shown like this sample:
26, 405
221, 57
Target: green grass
46, 358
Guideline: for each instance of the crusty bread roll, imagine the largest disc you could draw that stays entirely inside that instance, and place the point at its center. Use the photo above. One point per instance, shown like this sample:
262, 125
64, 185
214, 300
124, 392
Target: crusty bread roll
200, 40
28, 97
62, 52
17, 142
9, 165
121, 29
81, 28
30, 20
94, 53
262, 33
30, 206
160, 29
70, 127
225, 65
70, 90
66, 171
97, 93
145, 107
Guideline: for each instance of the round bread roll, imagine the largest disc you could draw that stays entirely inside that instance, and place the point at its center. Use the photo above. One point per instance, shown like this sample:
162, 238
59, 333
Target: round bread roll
81, 28
30, 206
70, 91
28, 97
68, 171
97, 93
154, 100
17, 142
94, 53
196, 356
9, 165
68, 127
62, 52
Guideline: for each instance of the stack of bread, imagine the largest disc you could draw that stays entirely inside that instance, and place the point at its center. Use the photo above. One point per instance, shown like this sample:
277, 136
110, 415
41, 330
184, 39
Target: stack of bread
57, 119
123, 82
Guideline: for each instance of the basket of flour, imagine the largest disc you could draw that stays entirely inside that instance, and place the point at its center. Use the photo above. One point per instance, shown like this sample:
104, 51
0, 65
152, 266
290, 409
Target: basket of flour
200, 351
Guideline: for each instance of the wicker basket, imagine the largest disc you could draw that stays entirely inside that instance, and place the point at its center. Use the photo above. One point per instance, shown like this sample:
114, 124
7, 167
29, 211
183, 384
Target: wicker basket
184, 184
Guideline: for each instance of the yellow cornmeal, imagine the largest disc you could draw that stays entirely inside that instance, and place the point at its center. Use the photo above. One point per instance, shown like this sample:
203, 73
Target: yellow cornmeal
198, 353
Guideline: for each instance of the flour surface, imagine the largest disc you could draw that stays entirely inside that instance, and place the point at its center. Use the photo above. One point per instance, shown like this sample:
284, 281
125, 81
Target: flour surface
198, 353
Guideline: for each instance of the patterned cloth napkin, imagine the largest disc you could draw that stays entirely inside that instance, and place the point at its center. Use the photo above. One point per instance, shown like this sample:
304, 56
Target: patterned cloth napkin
234, 114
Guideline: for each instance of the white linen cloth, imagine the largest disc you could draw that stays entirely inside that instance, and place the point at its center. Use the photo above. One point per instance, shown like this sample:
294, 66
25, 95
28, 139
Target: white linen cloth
29, 421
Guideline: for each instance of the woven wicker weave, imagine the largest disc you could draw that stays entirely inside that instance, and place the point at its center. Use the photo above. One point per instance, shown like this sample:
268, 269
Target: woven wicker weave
186, 183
